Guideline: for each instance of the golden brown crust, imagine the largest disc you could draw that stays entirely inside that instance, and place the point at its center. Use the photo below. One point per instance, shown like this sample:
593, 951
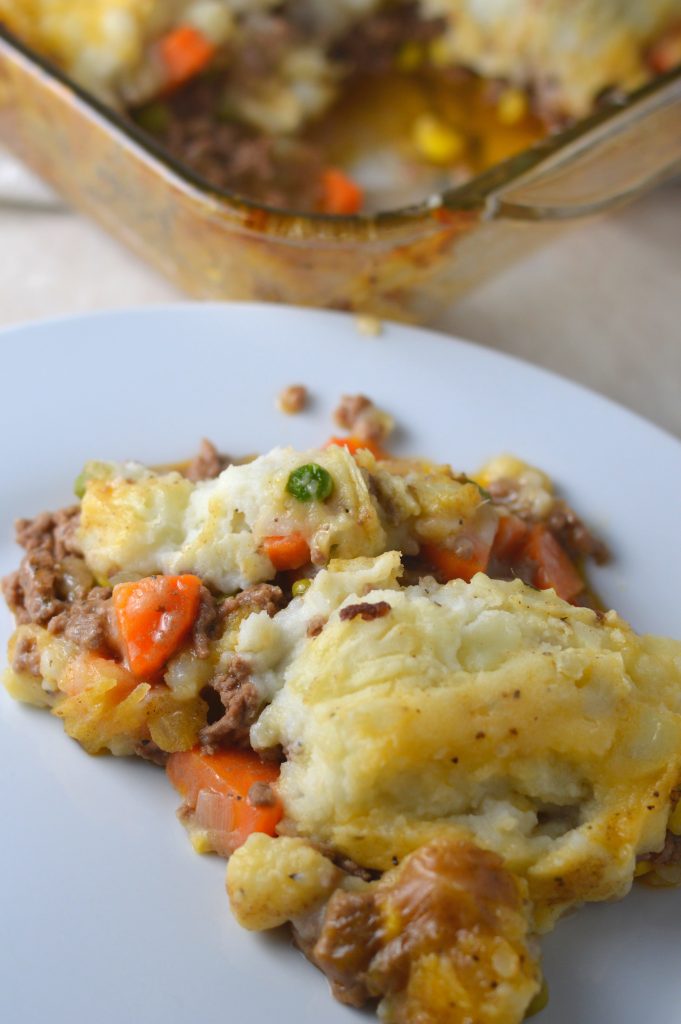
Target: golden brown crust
443, 935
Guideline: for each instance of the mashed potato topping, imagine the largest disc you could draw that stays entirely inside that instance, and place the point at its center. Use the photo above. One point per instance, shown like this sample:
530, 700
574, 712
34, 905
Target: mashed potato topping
107, 45
215, 528
135, 522
574, 48
486, 711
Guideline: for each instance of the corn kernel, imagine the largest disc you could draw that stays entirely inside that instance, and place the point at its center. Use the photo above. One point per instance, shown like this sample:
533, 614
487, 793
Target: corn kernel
200, 841
436, 141
512, 107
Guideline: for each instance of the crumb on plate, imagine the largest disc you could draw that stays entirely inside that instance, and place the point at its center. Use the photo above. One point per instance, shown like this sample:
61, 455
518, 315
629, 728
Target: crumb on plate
370, 326
292, 399
358, 415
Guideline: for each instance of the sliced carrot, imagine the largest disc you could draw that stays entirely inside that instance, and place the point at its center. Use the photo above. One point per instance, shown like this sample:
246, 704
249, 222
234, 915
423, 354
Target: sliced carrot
341, 195
355, 444
185, 52
473, 556
217, 789
510, 536
554, 568
289, 552
154, 616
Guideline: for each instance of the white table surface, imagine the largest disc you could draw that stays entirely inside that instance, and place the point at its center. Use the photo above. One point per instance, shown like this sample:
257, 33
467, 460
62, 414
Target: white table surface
601, 305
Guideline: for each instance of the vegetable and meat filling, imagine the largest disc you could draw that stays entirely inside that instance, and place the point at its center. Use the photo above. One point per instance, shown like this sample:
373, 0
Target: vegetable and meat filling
382, 689
305, 104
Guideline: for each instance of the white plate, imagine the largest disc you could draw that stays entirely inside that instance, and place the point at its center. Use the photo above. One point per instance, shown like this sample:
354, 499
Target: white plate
106, 914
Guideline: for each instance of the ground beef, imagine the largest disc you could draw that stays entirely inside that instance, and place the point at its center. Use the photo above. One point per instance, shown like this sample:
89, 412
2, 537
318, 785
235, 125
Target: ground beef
206, 625
232, 697
43, 587
278, 171
54, 588
570, 531
359, 415
207, 463
292, 399
241, 702
35, 534
14, 597
315, 626
366, 610
51, 573
263, 597
37, 587
203, 133
50, 531
261, 794
372, 47
90, 623
349, 410
27, 656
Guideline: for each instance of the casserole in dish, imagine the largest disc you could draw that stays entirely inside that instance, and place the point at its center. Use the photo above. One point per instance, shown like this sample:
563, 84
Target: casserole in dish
402, 263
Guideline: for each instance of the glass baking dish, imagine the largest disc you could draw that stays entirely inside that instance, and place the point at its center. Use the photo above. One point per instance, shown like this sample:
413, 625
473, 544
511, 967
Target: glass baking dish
405, 264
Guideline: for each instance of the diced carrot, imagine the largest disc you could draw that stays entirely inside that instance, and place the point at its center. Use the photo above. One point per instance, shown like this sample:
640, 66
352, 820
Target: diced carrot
665, 54
185, 52
289, 552
341, 195
510, 536
154, 616
217, 789
355, 444
473, 556
554, 568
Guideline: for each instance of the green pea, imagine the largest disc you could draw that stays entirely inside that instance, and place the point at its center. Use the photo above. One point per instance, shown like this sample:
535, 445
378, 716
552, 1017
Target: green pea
79, 485
300, 586
310, 483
